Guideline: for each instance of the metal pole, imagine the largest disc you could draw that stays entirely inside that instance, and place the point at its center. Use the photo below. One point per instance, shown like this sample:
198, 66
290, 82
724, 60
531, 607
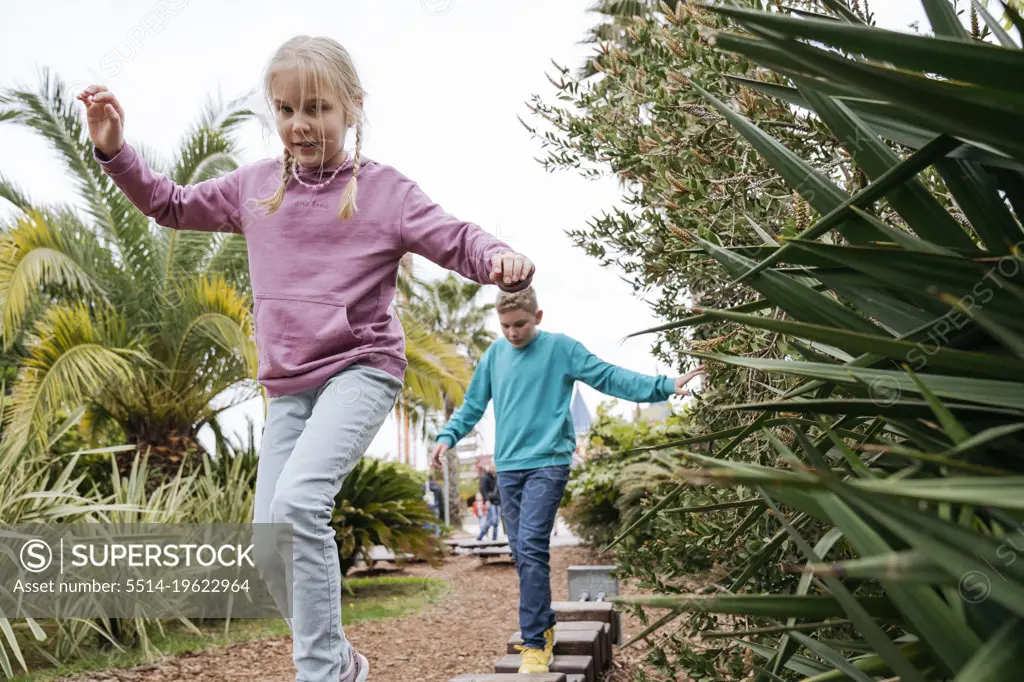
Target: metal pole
447, 520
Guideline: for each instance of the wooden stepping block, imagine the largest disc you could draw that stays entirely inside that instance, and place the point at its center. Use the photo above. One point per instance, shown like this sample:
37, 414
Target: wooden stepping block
471, 543
486, 543
590, 610
570, 643
491, 552
603, 630
514, 677
570, 665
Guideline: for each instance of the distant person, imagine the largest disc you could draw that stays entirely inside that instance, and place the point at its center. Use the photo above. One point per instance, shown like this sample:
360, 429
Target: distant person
491, 492
479, 508
323, 268
530, 375
433, 495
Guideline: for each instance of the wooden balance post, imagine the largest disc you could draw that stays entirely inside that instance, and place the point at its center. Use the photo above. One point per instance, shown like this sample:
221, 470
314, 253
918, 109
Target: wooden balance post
586, 629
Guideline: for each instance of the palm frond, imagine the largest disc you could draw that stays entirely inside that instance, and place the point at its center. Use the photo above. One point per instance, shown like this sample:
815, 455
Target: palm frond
206, 154
215, 347
226, 117
230, 260
38, 255
72, 358
214, 165
435, 367
449, 307
11, 192
208, 151
210, 137
96, 419
52, 112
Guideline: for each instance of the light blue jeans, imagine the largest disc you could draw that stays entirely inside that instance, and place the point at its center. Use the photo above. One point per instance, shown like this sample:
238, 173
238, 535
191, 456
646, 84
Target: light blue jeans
311, 441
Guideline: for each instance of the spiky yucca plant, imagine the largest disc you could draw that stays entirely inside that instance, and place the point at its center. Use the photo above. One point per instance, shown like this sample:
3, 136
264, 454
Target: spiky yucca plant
901, 443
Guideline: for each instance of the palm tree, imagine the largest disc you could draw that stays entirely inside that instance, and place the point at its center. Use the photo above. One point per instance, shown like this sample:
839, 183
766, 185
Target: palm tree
440, 365
437, 374
141, 325
448, 309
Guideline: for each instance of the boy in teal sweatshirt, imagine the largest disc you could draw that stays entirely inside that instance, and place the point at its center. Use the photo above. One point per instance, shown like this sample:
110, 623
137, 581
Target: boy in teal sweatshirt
530, 375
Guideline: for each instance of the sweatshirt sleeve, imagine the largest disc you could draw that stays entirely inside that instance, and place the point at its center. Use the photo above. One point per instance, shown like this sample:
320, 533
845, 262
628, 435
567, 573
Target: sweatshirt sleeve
473, 405
429, 231
209, 206
617, 381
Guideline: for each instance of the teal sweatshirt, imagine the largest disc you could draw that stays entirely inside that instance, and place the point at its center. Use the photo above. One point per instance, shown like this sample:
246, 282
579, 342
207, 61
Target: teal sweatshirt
532, 388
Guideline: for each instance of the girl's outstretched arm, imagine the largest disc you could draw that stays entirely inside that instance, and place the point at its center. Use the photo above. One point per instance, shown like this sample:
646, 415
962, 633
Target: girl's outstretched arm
457, 245
209, 206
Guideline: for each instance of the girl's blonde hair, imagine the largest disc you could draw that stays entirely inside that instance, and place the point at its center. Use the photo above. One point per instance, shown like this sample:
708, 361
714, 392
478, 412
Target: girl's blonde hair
327, 67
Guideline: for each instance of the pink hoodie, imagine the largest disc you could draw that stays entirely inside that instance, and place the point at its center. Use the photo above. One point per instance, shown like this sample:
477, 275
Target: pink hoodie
322, 287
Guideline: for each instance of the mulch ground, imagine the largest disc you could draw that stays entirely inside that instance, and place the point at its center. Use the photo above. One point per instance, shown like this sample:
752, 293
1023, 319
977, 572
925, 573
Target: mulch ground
464, 630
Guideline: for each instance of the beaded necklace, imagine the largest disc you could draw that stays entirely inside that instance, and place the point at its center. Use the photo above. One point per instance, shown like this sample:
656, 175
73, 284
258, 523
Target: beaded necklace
319, 186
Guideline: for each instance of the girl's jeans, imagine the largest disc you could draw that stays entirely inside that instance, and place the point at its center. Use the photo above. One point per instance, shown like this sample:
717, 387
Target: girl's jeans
311, 441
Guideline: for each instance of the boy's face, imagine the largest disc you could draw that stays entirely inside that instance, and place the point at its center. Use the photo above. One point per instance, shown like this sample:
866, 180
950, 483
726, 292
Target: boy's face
519, 326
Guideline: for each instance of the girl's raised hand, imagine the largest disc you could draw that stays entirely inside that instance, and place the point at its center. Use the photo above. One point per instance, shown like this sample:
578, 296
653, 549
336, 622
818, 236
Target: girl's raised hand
510, 267
106, 119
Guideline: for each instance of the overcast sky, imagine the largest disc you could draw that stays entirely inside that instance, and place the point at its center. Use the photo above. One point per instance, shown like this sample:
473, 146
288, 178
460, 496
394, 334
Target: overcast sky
445, 81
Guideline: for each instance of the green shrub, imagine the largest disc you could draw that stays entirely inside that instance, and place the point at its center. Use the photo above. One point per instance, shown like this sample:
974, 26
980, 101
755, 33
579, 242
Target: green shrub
381, 503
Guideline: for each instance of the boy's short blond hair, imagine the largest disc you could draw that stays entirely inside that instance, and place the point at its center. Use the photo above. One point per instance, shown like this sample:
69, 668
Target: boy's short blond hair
525, 300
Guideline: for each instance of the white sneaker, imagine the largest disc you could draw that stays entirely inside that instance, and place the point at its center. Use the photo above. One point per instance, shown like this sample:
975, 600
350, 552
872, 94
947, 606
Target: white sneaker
358, 670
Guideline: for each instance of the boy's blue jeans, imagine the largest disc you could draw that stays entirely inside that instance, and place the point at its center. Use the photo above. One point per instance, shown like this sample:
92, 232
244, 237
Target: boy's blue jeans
529, 501
311, 442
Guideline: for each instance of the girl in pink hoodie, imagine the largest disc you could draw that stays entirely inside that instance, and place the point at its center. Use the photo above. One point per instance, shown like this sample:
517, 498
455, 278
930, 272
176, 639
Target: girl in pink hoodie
325, 231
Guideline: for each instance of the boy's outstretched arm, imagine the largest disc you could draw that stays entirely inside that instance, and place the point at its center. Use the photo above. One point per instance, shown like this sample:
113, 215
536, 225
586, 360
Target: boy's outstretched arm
429, 231
623, 383
466, 417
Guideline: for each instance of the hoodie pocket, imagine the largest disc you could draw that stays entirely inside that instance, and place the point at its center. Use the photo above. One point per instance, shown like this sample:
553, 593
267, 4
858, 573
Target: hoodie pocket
295, 334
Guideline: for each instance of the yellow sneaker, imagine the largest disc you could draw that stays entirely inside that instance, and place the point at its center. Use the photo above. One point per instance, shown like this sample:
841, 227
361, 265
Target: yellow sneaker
533, 661
549, 641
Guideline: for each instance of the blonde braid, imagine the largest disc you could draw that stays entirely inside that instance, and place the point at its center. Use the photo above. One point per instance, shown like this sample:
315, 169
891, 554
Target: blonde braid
274, 201
348, 197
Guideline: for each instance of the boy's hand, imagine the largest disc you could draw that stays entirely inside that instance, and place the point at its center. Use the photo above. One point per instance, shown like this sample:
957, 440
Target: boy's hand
510, 267
687, 378
437, 455
105, 118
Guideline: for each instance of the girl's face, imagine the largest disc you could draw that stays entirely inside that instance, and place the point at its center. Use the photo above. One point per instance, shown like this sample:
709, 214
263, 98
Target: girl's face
312, 128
